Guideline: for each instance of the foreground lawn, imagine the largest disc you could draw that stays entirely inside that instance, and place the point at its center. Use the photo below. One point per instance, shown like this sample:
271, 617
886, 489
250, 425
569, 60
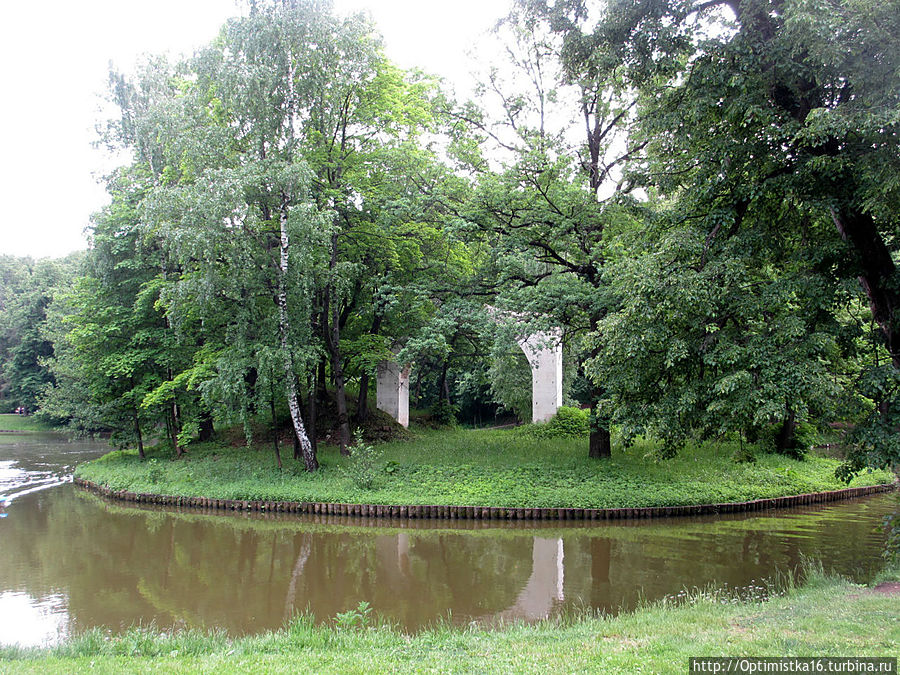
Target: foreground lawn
476, 468
21, 423
826, 617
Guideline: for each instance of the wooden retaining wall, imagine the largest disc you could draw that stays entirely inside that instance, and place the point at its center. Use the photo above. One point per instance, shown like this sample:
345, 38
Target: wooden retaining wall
480, 512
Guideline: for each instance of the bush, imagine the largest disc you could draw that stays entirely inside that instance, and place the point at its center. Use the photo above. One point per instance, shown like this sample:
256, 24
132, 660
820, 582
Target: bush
568, 422
744, 454
362, 466
443, 413
805, 437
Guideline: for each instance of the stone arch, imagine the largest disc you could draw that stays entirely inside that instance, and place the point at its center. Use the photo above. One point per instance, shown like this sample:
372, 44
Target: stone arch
544, 353
543, 350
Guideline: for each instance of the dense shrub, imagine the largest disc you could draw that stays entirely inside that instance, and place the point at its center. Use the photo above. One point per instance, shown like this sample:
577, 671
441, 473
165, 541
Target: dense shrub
804, 438
568, 422
443, 414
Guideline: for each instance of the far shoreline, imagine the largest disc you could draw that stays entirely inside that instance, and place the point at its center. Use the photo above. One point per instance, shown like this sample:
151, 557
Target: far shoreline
469, 474
439, 512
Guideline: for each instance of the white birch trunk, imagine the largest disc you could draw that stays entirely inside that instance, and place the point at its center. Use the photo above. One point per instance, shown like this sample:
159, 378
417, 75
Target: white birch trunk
309, 457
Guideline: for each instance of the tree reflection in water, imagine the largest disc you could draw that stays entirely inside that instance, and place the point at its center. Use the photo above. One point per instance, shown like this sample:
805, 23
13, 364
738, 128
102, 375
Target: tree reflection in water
116, 565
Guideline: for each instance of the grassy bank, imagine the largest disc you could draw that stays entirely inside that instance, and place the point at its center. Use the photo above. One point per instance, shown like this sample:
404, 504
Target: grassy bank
476, 468
22, 423
826, 616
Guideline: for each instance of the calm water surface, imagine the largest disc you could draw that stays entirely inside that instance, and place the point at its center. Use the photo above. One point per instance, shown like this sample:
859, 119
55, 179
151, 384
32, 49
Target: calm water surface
70, 561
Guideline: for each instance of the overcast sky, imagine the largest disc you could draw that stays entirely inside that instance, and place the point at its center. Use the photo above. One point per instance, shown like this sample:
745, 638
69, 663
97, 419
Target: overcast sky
54, 60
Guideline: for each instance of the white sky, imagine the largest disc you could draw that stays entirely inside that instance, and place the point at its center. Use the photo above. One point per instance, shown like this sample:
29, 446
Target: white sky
54, 61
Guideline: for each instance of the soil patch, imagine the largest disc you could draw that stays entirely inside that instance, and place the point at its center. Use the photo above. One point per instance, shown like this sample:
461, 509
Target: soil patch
887, 588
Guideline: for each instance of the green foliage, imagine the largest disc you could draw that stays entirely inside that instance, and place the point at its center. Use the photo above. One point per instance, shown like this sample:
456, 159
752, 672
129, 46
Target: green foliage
354, 619
288, 212
363, 466
806, 436
875, 441
154, 472
443, 414
744, 454
568, 422
27, 290
510, 378
725, 302
727, 346
767, 148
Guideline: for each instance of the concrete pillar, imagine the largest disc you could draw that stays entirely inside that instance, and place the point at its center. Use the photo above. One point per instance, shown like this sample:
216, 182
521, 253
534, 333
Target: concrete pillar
392, 391
544, 352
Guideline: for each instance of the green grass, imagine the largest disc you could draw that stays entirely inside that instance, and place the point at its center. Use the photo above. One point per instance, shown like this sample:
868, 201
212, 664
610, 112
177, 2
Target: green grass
22, 423
477, 468
824, 617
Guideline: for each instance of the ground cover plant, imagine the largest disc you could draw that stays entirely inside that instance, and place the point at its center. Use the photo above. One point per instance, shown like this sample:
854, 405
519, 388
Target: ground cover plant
22, 423
825, 615
477, 467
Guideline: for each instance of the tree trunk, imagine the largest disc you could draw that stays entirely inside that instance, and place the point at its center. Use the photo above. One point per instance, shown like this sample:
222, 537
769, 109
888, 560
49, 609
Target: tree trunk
275, 430
341, 398
207, 431
309, 455
175, 429
878, 274
443, 388
313, 413
784, 439
137, 432
362, 403
250, 378
334, 348
600, 443
322, 378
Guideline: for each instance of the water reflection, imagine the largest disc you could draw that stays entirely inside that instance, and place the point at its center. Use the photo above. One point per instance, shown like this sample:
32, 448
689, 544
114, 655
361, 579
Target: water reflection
69, 560
544, 590
31, 621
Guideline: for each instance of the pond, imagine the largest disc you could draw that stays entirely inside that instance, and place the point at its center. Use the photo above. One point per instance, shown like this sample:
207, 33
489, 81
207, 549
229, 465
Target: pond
70, 560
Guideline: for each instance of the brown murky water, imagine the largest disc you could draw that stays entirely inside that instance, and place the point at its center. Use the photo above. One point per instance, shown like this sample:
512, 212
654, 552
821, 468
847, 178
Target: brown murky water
69, 560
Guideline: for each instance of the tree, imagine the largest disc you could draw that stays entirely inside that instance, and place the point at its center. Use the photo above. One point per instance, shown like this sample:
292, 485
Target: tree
730, 341
26, 290
768, 116
548, 211
270, 156
230, 194
112, 346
